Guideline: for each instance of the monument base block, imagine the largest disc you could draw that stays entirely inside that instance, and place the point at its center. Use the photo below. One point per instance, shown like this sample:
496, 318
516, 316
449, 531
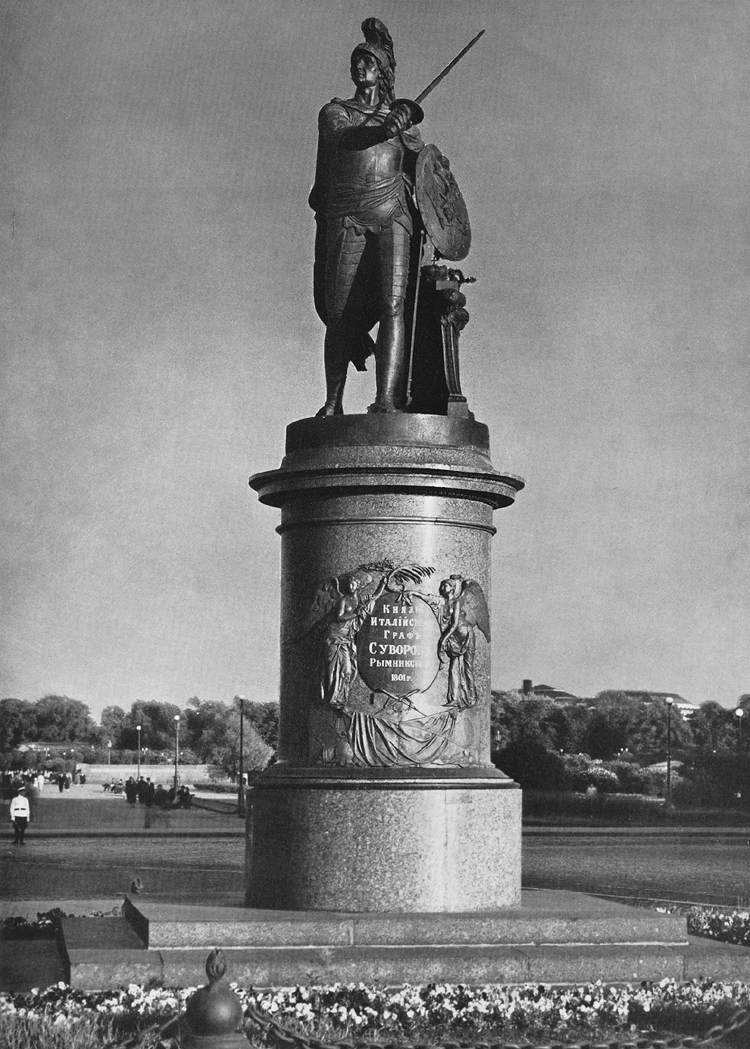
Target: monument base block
385, 798
392, 840
554, 937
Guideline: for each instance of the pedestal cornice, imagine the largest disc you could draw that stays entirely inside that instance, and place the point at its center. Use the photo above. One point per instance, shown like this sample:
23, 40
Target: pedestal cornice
419, 454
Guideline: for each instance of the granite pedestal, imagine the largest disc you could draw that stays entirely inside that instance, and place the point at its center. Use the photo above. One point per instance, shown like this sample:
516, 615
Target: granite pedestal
552, 938
384, 797
384, 841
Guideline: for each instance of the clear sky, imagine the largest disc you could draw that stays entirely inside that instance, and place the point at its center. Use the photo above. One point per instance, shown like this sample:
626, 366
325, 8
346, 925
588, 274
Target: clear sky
158, 332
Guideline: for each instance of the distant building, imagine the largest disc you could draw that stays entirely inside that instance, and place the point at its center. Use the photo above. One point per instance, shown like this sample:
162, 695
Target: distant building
529, 689
686, 709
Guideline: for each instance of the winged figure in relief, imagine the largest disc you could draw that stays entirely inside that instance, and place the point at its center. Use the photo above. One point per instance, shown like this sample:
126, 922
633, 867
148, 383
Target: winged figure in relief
463, 609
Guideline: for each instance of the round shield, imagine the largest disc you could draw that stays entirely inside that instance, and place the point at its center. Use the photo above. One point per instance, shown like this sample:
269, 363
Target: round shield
441, 205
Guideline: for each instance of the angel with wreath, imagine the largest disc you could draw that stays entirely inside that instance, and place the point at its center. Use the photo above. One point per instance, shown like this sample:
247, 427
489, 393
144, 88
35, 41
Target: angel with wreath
463, 609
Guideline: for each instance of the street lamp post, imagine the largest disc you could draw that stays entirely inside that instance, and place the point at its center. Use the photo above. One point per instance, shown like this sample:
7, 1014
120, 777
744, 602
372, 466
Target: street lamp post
176, 746
138, 730
670, 701
739, 714
241, 785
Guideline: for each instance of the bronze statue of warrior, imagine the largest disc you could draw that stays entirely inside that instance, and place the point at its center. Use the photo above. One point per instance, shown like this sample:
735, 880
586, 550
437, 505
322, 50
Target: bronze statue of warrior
367, 149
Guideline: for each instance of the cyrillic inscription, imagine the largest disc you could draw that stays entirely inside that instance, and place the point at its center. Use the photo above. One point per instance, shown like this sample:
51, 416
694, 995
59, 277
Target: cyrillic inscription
397, 645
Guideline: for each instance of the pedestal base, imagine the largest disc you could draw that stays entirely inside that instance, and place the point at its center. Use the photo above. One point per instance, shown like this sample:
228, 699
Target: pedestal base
385, 840
553, 938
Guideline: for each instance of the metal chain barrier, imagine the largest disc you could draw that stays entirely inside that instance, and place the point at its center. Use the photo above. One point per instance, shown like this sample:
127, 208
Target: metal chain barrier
283, 1038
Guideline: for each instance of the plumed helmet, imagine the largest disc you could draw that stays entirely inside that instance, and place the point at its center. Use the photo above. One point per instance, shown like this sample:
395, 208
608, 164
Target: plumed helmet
379, 44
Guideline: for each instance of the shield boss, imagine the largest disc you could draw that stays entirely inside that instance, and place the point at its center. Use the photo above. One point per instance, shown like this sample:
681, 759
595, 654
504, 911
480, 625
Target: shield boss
441, 205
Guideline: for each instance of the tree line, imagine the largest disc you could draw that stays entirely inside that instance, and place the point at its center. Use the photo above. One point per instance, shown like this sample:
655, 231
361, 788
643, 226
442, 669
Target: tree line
606, 742
209, 730
611, 741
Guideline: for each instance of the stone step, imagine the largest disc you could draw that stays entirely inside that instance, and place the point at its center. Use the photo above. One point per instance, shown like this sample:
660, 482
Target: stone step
557, 938
546, 917
98, 968
104, 954
392, 966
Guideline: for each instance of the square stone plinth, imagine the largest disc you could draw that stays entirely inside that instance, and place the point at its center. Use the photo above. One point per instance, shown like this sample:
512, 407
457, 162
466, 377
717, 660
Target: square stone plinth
552, 938
409, 842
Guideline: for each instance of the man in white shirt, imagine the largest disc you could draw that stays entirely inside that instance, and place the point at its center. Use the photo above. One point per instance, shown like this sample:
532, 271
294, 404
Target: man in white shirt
19, 816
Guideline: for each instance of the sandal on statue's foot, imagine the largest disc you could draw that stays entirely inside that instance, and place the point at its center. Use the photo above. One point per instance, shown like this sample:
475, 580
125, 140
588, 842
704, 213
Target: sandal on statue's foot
383, 408
328, 409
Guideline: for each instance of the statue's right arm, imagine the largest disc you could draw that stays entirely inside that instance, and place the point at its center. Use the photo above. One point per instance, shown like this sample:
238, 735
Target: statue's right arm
336, 127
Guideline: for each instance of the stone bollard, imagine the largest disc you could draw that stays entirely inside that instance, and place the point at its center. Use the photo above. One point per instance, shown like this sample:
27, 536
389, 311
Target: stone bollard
213, 1013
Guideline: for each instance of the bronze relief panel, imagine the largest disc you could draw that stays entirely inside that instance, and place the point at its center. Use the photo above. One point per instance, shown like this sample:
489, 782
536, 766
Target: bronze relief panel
395, 675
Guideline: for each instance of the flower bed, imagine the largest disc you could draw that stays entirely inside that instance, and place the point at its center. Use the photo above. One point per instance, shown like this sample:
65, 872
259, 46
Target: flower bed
62, 1018
726, 926
445, 1010
432, 1014
44, 927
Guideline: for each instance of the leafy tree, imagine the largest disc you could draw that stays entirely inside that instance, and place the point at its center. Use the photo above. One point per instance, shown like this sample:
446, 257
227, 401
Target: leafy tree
633, 779
545, 744
648, 735
524, 741
256, 754
605, 735
721, 778
556, 726
712, 727
569, 722
209, 725
603, 778
157, 725
264, 717
613, 716
503, 706
60, 719
112, 721
17, 723
213, 730
515, 719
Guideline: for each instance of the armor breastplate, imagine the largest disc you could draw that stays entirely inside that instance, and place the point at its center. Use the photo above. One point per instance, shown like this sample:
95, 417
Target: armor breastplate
367, 184
377, 163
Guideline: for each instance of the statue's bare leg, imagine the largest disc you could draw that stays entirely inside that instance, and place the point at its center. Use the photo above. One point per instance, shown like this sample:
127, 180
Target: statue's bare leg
336, 365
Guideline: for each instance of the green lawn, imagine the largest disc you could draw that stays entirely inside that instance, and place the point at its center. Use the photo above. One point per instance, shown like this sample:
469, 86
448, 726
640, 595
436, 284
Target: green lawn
696, 869
75, 868
651, 865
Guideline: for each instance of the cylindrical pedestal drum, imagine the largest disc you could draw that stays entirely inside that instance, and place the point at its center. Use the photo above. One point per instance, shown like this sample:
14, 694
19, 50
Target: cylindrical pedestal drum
384, 797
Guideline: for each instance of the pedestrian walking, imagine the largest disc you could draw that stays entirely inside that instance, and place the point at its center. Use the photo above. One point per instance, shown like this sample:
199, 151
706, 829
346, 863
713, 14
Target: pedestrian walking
19, 816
